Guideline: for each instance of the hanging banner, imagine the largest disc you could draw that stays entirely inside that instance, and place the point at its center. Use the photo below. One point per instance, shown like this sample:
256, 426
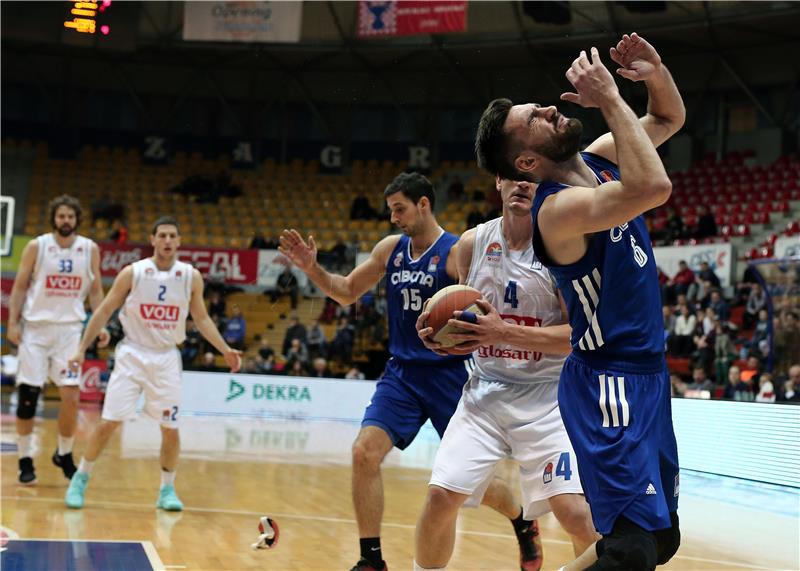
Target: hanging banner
271, 264
242, 21
410, 17
91, 389
237, 267
719, 258
787, 247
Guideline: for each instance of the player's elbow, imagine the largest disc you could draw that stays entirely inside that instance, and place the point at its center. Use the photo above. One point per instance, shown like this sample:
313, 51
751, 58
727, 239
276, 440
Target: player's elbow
661, 189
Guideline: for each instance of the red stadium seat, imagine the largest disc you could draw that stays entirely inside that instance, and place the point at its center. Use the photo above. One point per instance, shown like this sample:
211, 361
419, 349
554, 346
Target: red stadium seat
742, 230
792, 228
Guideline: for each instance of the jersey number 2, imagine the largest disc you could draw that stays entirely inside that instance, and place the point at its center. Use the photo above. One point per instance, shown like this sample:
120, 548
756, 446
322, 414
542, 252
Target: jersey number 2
162, 291
510, 296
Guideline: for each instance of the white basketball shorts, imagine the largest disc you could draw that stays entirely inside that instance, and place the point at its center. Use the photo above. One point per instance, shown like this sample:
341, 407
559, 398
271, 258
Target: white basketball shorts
44, 351
496, 420
137, 370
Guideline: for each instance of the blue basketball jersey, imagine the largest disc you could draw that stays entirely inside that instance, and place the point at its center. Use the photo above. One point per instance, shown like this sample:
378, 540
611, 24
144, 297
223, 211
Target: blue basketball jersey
612, 293
409, 284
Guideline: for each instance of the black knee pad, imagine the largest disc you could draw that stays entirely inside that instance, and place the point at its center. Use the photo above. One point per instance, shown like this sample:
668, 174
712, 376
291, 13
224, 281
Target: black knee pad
668, 540
627, 548
27, 397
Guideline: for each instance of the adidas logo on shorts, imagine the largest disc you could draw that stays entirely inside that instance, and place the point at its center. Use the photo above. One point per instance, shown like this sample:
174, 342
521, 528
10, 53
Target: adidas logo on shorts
651, 489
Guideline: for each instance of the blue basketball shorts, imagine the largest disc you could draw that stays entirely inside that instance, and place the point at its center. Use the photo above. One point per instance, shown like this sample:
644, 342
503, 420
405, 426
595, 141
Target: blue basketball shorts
407, 395
619, 420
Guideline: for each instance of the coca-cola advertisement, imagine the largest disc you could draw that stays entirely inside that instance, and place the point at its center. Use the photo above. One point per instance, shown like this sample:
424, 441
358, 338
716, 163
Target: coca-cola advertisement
236, 267
91, 388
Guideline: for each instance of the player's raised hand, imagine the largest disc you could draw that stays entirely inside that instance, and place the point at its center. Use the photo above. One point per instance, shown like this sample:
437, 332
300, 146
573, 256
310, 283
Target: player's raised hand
638, 58
302, 254
425, 332
486, 329
233, 358
593, 83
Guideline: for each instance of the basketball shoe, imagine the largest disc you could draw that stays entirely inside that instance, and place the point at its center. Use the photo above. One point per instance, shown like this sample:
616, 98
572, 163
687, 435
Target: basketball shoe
531, 556
66, 464
27, 475
364, 565
76, 489
168, 499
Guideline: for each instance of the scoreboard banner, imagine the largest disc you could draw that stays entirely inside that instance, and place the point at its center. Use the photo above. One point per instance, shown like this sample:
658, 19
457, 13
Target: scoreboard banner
787, 246
411, 17
269, 22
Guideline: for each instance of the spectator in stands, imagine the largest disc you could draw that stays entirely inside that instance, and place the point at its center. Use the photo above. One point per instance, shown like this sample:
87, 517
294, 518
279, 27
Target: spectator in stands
265, 350
700, 381
266, 366
752, 370
669, 326
251, 366
736, 388
675, 229
328, 313
724, 350
766, 390
235, 328
119, 232
756, 301
719, 306
317, 343
342, 344
297, 352
677, 385
286, 285
679, 284
106, 209
787, 341
354, 373
209, 364
319, 369
295, 331
259, 242
297, 369
760, 333
192, 344
706, 225
790, 389
361, 208
685, 323
216, 304
339, 254
709, 320
226, 186
705, 281
475, 216
455, 191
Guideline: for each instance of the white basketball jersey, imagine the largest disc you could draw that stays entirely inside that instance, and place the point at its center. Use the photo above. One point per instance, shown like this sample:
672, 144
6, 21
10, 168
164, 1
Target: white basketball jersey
60, 281
155, 311
524, 293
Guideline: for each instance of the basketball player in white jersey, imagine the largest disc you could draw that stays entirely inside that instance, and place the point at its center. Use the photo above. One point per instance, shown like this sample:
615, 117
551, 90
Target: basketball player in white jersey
156, 295
56, 273
509, 408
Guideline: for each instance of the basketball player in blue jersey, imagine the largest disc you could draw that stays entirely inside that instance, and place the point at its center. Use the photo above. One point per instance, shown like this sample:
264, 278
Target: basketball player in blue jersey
614, 392
417, 384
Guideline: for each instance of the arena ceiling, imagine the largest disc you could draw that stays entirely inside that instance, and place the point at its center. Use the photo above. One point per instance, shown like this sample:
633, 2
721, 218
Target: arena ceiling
737, 47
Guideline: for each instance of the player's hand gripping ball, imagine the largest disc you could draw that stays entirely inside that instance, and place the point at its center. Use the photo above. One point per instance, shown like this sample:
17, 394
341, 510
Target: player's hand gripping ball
268, 534
441, 307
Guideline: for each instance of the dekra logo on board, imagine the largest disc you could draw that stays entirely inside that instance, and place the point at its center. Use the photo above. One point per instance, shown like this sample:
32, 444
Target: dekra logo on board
270, 392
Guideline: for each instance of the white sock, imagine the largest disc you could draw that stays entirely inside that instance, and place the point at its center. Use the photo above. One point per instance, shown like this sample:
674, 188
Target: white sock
417, 567
25, 445
65, 444
85, 466
167, 478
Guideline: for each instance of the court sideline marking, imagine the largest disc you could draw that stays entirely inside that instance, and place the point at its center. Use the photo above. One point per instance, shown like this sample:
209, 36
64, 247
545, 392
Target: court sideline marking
329, 519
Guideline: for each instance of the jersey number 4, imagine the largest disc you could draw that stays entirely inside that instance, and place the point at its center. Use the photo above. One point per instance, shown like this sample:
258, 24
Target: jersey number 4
411, 299
510, 296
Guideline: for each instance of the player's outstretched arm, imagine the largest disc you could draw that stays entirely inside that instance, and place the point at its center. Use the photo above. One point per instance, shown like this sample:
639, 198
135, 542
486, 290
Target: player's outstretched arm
344, 289
490, 329
101, 315
643, 184
17, 297
206, 326
638, 60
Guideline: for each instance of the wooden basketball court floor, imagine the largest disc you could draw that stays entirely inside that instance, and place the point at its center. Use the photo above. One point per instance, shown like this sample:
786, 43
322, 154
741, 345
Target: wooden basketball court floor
234, 470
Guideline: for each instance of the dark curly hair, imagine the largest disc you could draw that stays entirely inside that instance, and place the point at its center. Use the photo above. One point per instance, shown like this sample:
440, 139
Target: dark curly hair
493, 147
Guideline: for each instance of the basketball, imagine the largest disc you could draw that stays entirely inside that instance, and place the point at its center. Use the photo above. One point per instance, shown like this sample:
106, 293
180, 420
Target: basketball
441, 307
